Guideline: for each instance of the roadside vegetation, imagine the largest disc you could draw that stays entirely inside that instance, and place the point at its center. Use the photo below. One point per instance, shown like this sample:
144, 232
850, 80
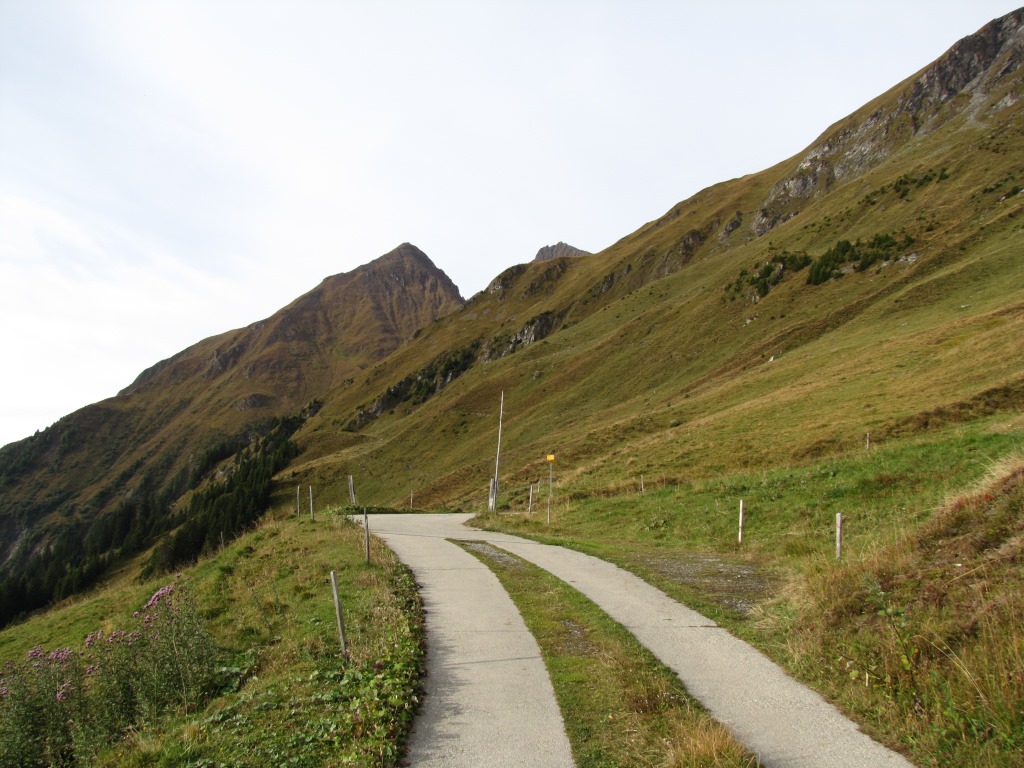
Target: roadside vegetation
917, 632
621, 706
235, 662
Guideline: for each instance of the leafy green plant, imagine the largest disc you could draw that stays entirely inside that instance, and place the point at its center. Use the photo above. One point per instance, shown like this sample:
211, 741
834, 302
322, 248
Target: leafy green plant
63, 707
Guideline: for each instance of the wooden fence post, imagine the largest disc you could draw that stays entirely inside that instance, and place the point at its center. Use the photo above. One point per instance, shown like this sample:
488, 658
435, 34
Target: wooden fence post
366, 533
839, 535
337, 612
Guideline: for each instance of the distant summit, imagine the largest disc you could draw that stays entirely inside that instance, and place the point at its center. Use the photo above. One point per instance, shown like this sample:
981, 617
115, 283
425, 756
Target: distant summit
557, 251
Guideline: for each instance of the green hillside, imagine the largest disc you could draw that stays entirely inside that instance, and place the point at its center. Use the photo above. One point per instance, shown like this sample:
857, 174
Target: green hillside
840, 333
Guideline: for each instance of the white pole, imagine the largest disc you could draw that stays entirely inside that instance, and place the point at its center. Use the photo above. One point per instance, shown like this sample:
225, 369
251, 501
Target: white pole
497, 458
740, 540
839, 535
641, 485
529, 509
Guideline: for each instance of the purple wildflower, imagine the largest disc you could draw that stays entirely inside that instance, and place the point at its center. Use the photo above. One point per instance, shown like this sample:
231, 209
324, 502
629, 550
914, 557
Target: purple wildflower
61, 656
160, 594
36, 653
62, 692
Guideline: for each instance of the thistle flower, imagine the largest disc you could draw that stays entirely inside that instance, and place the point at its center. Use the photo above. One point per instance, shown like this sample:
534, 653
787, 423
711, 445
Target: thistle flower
159, 595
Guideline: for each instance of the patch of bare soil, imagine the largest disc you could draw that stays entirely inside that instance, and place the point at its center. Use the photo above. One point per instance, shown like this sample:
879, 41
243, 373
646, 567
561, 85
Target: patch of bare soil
737, 585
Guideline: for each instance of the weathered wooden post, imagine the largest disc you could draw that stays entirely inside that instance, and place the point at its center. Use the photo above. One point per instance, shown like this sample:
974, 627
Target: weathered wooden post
366, 534
641, 485
311, 517
839, 535
551, 482
337, 612
298, 501
351, 490
529, 508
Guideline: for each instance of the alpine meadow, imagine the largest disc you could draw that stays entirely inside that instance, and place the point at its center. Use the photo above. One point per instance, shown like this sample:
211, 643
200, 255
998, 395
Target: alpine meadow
841, 334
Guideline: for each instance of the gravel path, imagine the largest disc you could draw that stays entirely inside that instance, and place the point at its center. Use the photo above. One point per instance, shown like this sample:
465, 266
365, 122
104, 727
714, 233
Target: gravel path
785, 723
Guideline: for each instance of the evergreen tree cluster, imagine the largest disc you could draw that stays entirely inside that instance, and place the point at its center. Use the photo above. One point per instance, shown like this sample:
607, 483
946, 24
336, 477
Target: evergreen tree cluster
830, 264
80, 552
219, 513
766, 276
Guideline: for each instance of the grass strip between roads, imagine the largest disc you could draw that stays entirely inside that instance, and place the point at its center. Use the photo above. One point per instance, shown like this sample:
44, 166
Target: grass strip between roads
621, 706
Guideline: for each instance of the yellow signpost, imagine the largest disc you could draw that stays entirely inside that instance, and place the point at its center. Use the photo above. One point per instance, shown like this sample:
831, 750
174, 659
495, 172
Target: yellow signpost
551, 472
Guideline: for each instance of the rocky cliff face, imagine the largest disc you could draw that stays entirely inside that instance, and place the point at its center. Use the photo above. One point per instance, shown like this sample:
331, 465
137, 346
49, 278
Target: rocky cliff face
973, 77
557, 251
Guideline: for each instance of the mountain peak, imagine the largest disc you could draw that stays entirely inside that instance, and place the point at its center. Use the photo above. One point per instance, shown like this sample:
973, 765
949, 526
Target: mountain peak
557, 251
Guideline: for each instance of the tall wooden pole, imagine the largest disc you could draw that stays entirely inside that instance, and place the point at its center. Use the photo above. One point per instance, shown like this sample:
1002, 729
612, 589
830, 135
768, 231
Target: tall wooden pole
551, 484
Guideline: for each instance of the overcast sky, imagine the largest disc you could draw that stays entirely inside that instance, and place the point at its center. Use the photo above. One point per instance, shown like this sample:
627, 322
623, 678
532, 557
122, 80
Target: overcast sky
173, 169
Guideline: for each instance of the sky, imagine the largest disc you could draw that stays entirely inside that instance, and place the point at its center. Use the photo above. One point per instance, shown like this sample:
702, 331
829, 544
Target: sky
174, 169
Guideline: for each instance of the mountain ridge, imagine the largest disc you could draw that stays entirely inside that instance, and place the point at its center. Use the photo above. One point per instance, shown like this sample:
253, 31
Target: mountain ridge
682, 322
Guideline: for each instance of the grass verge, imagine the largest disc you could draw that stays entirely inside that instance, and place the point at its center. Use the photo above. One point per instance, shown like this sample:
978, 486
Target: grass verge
621, 706
289, 696
917, 633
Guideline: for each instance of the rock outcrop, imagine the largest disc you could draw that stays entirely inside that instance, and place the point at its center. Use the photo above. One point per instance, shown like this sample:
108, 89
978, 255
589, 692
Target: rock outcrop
557, 251
969, 78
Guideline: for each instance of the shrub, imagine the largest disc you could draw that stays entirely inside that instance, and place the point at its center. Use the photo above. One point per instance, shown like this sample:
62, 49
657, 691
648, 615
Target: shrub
63, 707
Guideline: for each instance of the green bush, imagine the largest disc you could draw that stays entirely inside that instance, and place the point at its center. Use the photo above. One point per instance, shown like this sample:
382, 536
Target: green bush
63, 707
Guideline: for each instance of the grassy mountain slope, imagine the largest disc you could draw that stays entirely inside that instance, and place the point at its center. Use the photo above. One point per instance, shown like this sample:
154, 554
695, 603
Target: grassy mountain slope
666, 353
749, 343
108, 475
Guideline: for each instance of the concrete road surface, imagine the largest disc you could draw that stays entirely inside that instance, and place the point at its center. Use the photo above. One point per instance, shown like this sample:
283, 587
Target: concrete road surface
782, 721
489, 700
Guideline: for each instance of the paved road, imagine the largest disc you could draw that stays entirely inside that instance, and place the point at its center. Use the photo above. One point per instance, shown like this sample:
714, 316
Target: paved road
785, 723
489, 700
